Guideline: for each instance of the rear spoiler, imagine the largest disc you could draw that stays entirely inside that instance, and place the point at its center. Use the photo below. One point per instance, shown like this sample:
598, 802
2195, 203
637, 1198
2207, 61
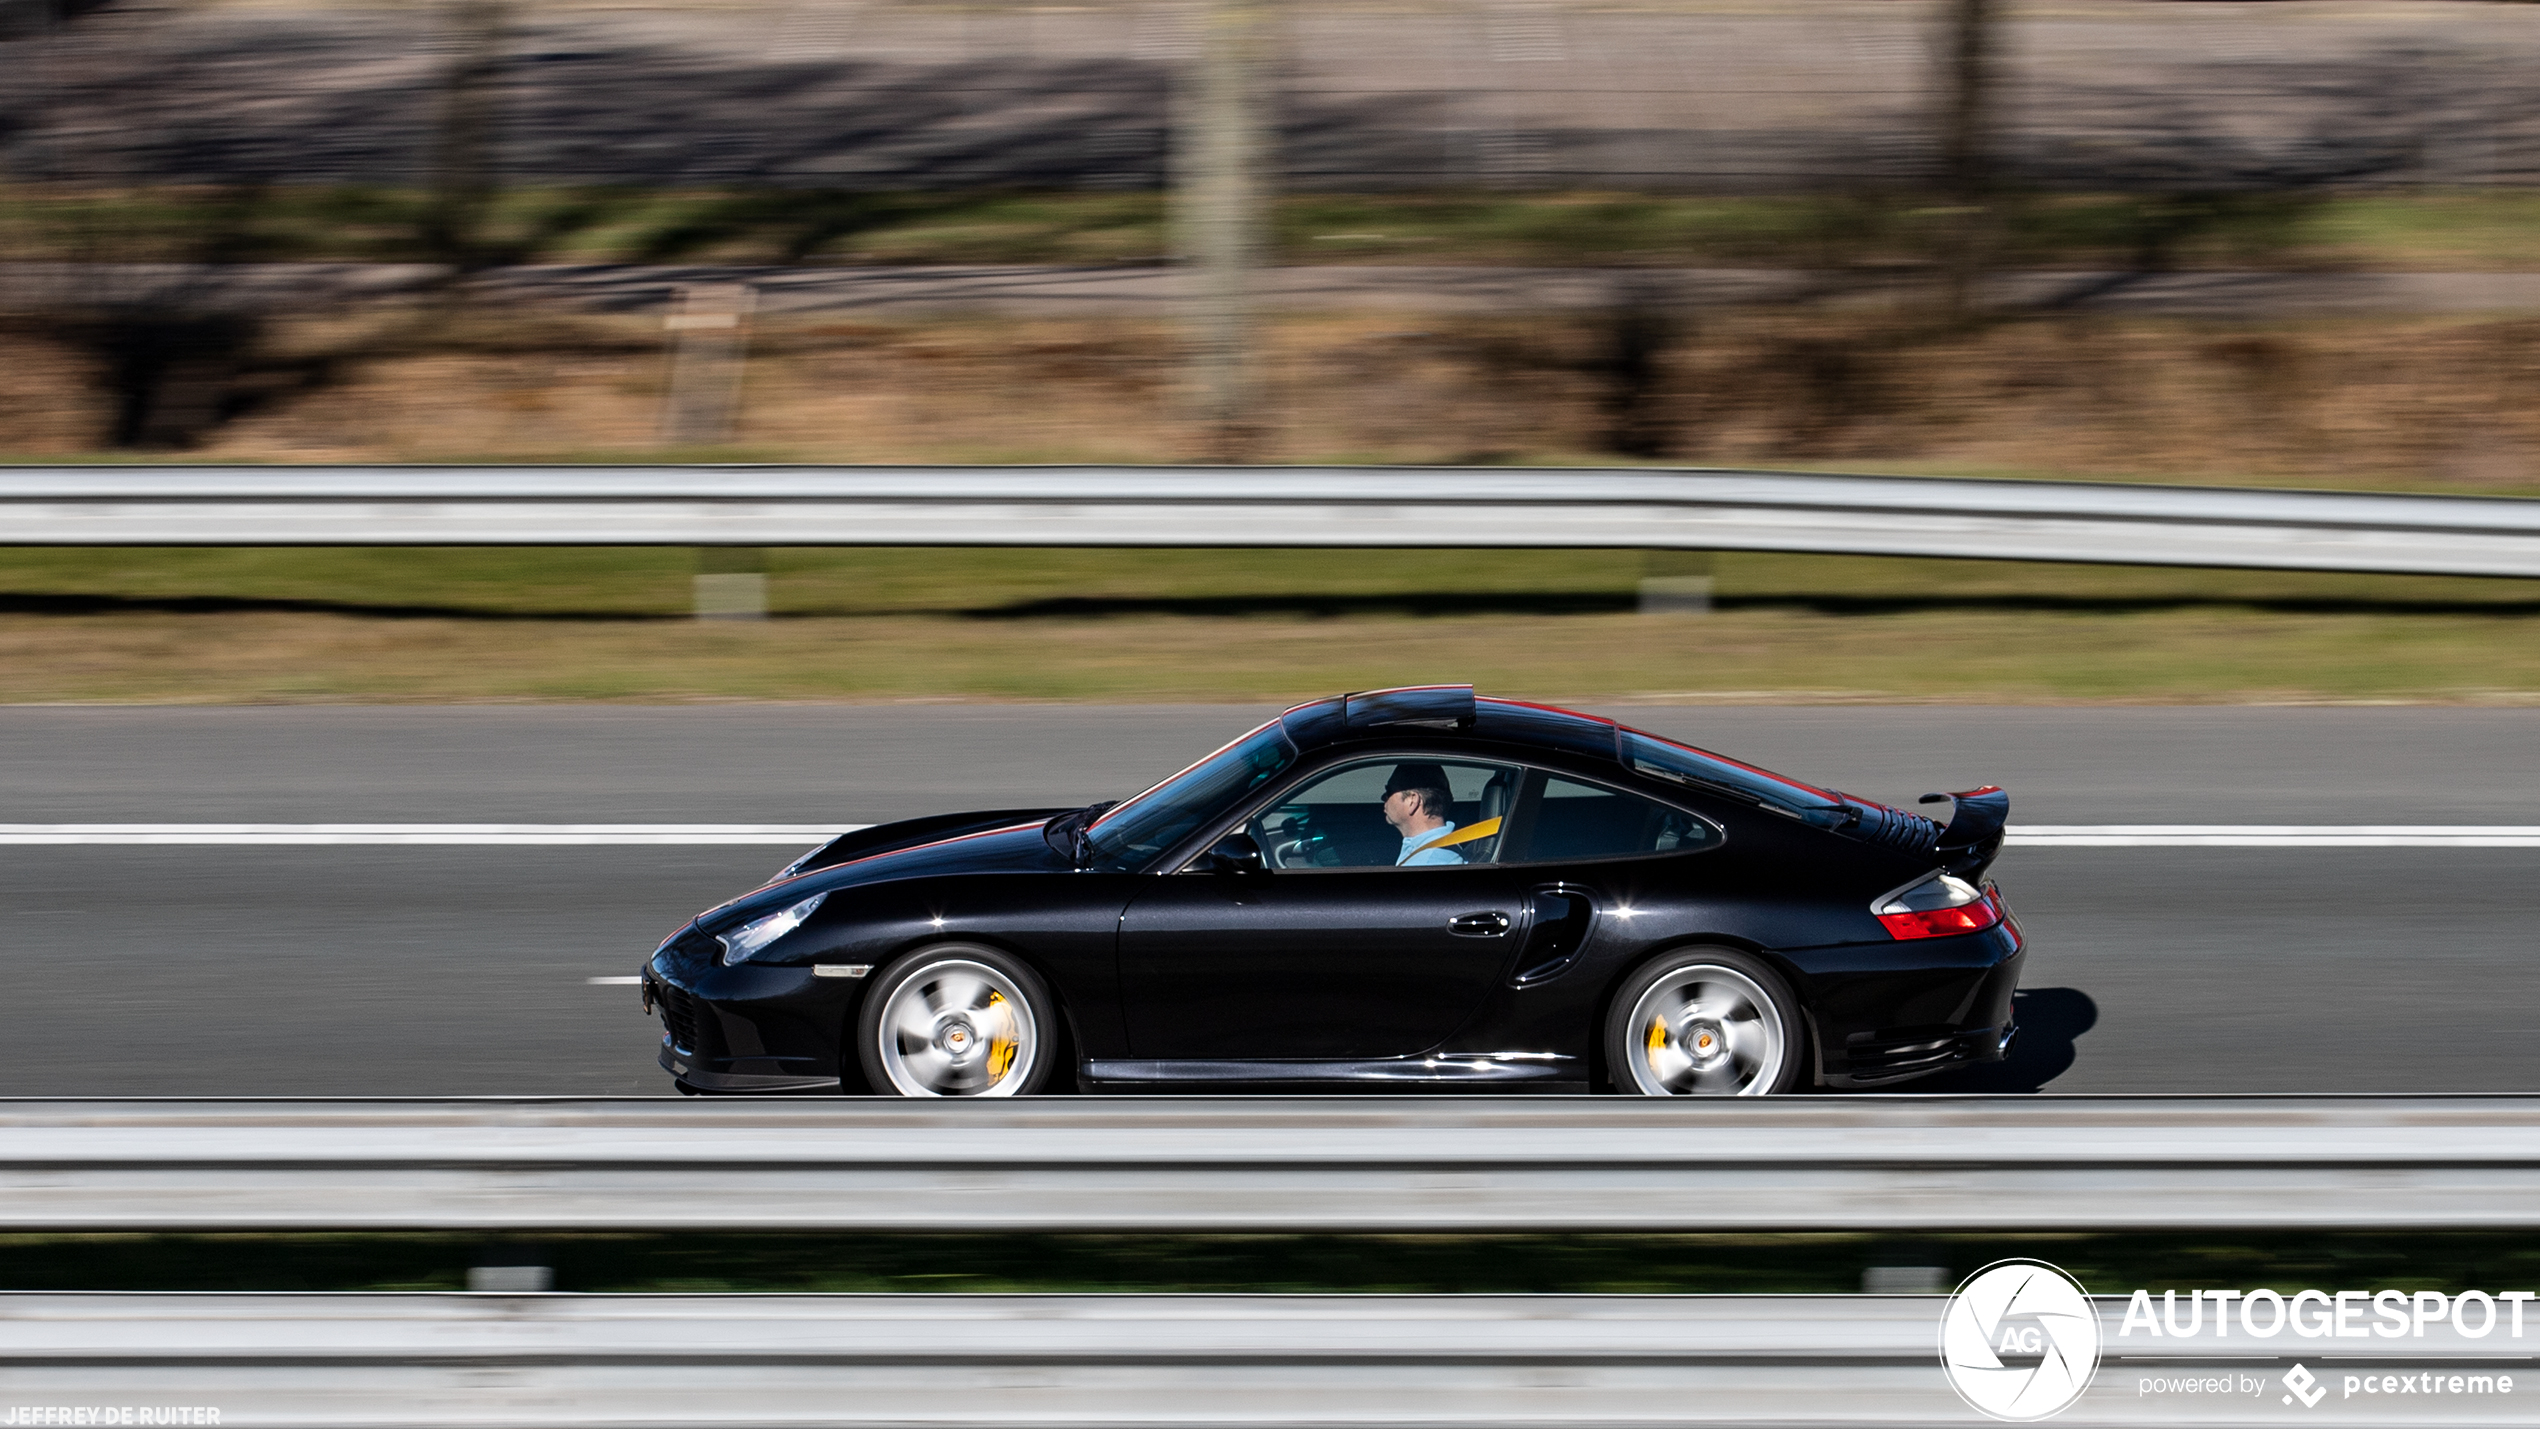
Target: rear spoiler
1973, 838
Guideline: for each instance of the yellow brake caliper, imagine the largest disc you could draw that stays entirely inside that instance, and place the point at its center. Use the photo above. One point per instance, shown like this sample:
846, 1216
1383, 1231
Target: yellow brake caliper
1000, 1049
1657, 1038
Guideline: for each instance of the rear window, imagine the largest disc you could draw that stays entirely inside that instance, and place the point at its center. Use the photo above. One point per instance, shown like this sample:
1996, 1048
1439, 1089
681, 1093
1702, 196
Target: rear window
1701, 769
1575, 820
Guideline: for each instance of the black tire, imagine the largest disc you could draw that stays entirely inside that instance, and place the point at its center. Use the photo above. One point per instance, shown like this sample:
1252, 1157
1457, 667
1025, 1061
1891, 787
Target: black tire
1705, 1022
974, 1006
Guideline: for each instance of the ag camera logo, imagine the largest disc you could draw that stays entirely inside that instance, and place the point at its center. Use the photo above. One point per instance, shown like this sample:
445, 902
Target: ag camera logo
2019, 1340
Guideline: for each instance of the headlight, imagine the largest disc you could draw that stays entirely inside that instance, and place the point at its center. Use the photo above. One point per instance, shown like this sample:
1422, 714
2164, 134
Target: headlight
747, 941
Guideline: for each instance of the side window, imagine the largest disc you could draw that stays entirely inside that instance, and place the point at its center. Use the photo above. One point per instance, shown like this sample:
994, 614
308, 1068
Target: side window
1397, 812
1576, 820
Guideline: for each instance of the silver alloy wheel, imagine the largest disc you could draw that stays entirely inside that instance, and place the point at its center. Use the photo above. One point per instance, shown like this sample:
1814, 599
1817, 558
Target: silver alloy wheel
1706, 1030
957, 1028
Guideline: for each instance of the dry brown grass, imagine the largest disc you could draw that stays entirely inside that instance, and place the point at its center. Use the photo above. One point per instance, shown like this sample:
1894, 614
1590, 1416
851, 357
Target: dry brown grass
52, 399
2445, 405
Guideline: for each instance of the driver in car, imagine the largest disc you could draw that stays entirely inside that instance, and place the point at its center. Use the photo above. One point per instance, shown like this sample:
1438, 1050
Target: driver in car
1417, 805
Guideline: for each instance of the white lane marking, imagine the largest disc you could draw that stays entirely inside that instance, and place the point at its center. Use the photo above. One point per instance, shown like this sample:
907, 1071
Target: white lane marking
794, 835
2273, 836
467, 835
614, 981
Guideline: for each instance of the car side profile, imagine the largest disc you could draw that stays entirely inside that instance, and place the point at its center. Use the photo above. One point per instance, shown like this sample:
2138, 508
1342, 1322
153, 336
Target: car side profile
1395, 889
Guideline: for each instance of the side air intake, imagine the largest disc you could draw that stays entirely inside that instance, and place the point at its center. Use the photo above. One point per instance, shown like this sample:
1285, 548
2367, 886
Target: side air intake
1888, 828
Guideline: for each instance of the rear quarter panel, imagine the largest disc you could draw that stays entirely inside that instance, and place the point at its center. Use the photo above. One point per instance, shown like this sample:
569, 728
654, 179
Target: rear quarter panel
1797, 897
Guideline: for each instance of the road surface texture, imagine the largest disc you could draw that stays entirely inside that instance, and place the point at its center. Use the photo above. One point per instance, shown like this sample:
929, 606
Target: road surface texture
450, 971
875, 94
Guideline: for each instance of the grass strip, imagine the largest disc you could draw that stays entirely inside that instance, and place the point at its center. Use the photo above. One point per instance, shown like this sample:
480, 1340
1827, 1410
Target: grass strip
246, 626
638, 1263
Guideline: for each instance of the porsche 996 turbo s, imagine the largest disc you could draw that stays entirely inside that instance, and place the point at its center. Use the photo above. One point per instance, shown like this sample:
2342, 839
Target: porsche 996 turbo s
1396, 889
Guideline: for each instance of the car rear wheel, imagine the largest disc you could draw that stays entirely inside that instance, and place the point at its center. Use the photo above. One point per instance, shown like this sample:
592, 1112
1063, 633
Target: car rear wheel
1705, 1022
957, 1021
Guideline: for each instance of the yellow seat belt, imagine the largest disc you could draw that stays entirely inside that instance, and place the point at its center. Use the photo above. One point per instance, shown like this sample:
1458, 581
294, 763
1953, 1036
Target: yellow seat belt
1482, 830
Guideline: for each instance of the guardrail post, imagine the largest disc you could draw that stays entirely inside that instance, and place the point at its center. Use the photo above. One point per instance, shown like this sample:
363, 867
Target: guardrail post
731, 583
1675, 583
1887, 1280
709, 327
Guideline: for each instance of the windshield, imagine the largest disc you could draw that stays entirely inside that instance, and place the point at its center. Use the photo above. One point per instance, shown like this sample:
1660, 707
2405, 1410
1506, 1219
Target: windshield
1684, 764
1128, 836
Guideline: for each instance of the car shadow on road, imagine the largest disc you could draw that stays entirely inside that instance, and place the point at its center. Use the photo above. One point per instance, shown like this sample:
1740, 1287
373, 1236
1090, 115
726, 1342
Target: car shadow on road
2051, 1019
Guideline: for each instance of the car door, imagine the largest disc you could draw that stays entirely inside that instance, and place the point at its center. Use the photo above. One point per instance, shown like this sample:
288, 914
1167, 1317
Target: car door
1337, 951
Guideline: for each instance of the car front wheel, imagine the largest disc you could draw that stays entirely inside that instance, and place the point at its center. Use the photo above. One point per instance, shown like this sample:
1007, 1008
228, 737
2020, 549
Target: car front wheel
957, 1021
1705, 1022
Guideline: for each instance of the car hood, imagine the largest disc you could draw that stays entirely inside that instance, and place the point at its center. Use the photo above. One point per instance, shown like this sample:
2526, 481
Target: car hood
1012, 848
1015, 848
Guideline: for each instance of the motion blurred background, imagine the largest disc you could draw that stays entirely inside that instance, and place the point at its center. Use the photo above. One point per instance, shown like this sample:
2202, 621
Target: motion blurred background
2184, 241
2239, 243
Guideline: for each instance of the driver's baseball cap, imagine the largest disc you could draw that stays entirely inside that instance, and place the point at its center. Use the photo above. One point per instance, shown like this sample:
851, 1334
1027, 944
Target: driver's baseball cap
1416, 776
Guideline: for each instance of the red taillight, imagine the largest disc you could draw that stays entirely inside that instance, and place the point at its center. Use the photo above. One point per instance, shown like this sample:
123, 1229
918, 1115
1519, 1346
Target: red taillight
1947, 921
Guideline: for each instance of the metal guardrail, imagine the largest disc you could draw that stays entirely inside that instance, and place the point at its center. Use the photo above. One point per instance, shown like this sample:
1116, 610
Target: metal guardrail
1001, 1360
984, 1360
1286, 1164
1268, 506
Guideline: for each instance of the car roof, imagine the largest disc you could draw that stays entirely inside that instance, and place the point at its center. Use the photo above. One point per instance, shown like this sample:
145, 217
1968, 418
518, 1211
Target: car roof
1446, 711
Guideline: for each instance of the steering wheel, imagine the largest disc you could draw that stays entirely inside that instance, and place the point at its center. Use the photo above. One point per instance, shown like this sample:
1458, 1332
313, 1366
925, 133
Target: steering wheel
1297, 842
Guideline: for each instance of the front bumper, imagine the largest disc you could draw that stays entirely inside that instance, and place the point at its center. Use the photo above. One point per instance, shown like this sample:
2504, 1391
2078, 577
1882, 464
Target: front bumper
751, 1028
680, 1063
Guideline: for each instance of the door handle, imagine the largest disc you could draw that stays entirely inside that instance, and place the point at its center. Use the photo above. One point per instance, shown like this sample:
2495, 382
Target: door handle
1478, 925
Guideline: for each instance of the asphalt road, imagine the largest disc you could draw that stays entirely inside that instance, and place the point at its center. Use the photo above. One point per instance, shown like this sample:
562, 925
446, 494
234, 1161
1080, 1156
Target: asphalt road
451, 971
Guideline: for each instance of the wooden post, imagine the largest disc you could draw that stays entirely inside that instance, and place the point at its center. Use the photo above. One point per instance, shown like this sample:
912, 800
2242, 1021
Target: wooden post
1966, 145
463, 143
1221, 150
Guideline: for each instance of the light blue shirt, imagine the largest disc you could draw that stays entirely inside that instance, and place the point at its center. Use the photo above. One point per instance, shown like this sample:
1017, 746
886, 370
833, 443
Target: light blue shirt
1415, 850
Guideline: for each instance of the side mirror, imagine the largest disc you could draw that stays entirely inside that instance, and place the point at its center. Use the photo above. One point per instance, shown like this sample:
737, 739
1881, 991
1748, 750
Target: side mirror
1235, 853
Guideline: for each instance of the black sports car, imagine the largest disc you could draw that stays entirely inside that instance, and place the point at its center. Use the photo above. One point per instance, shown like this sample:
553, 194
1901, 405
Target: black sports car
1401, 888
